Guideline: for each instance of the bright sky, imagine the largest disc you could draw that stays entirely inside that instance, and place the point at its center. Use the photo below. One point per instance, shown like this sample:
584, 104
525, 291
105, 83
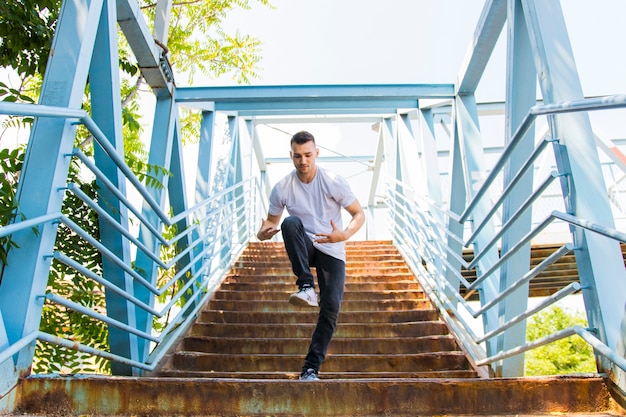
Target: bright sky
414, 41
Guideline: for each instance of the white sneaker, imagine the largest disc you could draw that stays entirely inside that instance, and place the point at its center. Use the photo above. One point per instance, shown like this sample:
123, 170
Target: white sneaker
306, 297
309, 375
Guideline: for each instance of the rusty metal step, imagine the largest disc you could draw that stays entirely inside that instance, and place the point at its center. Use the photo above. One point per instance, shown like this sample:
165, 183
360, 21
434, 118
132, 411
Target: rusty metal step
403, 397
370, 330
295, 346
293, 317
346, 306
262, 295
325, 376
414, 362
289, 278
291, 286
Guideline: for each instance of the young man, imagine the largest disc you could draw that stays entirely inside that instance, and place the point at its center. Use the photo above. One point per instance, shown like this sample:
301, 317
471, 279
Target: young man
314, 235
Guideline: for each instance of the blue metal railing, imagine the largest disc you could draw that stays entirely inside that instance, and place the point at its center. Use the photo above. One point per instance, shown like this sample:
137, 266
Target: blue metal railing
217, 229
424, 222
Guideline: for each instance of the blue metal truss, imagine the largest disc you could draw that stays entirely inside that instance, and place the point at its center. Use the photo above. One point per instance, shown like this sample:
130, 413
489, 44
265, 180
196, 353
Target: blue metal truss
431, 228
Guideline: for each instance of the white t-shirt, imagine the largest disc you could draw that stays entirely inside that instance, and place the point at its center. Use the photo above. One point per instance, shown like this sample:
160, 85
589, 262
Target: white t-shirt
316, 204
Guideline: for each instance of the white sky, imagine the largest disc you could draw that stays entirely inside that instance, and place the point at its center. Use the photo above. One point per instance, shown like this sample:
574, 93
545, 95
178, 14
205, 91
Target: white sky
413, 41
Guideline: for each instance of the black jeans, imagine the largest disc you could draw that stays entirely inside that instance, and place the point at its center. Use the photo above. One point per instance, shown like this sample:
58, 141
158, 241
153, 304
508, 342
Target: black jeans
331, 277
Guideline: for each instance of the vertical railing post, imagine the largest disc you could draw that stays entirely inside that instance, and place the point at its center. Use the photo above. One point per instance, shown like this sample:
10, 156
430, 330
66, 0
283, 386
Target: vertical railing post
521, 96
471, 144
431, 179
106, 110
203, 172
161, 149
599, 259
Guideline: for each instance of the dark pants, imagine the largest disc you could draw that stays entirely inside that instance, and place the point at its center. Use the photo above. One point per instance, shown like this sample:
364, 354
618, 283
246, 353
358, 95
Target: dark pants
331, 277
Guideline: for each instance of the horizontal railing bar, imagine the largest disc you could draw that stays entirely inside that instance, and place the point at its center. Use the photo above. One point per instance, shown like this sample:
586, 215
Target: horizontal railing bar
600, 103
102, 140
209, 200
555, 256
562, 293
495, 171
16, 347
496, 205
511, 221
587, 104
25, 224
113, 222
585, 334
102, 281
439, 226
110, 255
71, 344
40, 110
594, 227
118, 194
93, 314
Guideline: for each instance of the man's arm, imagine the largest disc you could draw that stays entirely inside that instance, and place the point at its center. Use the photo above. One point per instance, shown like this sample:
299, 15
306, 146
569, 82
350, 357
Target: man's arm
338, 235
269, 227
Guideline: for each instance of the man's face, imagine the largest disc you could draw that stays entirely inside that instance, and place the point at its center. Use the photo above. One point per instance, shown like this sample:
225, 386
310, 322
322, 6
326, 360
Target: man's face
303, 157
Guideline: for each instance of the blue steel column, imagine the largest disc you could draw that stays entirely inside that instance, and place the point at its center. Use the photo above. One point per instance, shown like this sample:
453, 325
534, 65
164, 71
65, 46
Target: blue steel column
430, 165
203, 170
520, 97
107, 113
599, 259
472, 153
233, 176
45, 173
177, 192
458, 200
161, 146
413, 172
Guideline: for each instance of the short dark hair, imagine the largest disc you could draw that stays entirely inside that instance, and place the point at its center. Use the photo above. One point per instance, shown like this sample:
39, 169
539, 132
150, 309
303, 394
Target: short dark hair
302, 137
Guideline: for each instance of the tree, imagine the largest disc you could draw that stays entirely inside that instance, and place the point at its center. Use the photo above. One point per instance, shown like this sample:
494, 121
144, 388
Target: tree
565, 356
197, 42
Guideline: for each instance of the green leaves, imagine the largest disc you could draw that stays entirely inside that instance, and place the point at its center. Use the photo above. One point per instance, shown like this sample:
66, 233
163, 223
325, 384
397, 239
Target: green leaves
11, 162
565, 356
26, 30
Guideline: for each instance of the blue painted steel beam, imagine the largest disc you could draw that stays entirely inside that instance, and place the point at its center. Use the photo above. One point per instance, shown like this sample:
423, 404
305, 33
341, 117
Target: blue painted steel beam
313, 92
45, 173
520, 97
148, 53
490, 24
107, 114
161, 149
599, 259
321, 105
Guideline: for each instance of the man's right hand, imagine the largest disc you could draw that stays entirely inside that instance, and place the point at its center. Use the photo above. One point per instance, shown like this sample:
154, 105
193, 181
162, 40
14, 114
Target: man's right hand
267, 230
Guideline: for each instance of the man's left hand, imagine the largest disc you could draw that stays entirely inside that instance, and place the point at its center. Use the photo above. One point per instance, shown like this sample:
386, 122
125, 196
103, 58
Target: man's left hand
336, 235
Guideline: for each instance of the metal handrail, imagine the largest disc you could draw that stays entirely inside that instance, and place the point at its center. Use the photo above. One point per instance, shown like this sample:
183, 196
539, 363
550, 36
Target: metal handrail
446, 297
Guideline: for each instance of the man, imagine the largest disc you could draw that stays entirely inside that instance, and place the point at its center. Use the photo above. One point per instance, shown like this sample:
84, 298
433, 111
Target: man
313, 235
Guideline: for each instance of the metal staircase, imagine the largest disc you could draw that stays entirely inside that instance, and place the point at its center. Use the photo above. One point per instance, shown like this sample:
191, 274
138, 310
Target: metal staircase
465, 232
392, 354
